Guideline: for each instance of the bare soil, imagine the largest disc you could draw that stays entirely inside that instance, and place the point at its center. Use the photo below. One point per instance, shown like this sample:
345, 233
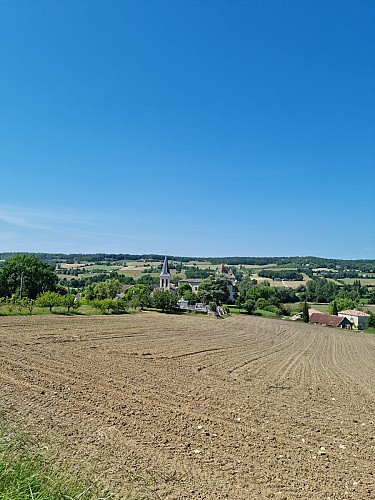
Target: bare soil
192, 407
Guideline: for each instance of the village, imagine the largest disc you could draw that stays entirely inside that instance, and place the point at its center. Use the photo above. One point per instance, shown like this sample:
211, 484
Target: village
349, 319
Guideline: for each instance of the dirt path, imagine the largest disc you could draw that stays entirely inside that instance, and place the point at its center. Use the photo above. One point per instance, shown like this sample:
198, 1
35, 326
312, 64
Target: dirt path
193, 407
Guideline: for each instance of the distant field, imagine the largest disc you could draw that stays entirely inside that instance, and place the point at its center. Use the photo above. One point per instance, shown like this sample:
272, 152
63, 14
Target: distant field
319, 307
100, 267
91, 266
324, 307
364, 281
201, 265
257, 266
73, 266
334, 281
295, 284
291, 284
324, 269
134, 269
68, 277
133, 272
141, 263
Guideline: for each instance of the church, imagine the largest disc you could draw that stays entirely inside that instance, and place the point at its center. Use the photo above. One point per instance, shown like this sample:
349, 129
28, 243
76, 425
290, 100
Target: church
165, 280
165, 276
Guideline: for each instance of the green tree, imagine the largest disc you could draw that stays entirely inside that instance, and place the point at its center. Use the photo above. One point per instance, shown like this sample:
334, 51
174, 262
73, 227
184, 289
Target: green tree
164, 300
138, 296
149, 280
29, 304
113, 287
333, 308
343, 303
245, 285
261, 303
107, 289
70, 302
350, 295
305, 312
120, 306
214, 289
183, 288
249, 306
191, 297
104, 305
49, 299
26, 276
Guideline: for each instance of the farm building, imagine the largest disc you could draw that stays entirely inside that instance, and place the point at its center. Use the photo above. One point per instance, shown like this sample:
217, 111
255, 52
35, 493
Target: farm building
358, 319
329, 320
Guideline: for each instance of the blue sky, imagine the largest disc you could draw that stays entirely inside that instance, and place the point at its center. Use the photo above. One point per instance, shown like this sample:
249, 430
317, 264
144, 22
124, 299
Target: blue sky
204, 128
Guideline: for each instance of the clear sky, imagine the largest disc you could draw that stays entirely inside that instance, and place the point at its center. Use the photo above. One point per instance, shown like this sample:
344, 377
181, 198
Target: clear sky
200, 127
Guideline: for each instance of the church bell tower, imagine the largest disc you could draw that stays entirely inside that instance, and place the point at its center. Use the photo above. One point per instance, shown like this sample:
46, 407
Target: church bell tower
165, 276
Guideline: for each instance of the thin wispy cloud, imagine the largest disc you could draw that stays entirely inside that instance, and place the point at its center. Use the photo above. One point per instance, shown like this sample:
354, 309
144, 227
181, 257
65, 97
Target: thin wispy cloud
31, 218
21, 222
83, 225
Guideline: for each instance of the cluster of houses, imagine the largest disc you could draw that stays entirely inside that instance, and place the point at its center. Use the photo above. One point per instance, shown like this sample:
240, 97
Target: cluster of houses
165, 280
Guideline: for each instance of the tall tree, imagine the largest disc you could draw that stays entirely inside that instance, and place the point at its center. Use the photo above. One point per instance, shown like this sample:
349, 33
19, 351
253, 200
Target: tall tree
26, 276
333, 308
305, 312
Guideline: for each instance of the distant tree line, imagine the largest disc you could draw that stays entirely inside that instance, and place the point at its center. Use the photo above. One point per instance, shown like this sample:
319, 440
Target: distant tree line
196, 273
343, 274
284, 274
309, 262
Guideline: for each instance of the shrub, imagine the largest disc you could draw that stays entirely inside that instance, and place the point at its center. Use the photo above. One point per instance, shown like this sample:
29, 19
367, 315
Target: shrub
212, 306
49, 299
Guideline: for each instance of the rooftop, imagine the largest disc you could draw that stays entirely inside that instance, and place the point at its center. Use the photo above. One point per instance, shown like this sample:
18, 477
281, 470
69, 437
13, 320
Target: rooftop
165, 268
326, 319
191, 280
353, 312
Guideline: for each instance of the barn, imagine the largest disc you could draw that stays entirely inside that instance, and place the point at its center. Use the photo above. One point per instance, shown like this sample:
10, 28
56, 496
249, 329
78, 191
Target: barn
330, 320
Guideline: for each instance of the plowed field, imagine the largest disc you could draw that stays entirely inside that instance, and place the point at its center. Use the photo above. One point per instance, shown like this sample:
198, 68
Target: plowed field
193, 407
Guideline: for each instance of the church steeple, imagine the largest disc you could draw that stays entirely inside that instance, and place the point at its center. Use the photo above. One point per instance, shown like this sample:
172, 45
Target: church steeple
165, 276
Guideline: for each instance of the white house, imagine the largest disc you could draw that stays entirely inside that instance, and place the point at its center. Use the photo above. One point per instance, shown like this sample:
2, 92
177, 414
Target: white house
358, 319
194, 283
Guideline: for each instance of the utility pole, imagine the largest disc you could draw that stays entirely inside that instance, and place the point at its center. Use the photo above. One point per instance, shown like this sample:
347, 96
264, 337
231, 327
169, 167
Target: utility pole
21, 285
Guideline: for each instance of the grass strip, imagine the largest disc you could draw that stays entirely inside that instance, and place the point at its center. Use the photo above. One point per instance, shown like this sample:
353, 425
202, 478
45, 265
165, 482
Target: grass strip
26, 474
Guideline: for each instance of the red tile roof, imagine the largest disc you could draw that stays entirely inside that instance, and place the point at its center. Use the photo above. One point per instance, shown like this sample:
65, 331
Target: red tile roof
328, 319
